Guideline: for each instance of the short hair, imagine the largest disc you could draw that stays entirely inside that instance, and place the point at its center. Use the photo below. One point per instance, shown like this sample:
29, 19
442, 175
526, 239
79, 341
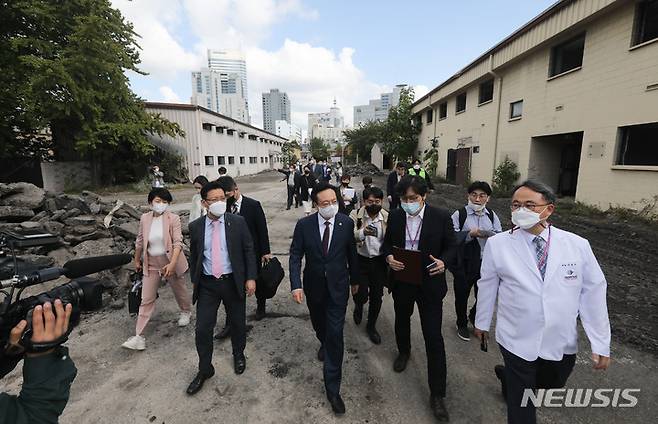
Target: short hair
213, 185
480, 185
416, 184
417, 160
200, 179
401, 165
322, 186
222, 170
227, 183
160, 192
539, 187
367, 179
345, 177
376, 192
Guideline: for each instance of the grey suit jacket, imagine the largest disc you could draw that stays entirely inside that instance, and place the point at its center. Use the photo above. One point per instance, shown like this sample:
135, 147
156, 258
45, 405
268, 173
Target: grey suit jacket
240, 251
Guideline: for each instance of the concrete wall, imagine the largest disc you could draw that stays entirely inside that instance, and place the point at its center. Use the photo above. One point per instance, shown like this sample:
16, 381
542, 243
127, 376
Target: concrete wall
376, 156
199, 142
612, 89
61, 176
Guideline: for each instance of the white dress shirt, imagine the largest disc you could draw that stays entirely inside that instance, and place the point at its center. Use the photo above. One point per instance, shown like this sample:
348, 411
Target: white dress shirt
321, 226
538, 318
156, 245
223, 247
238, 205
413, 228
372, 246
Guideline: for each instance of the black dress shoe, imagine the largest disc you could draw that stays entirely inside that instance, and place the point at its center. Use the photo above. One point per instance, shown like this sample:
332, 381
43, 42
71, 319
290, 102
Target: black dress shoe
337, 404
500, 374
374, 335
224, 333
197, 383
239, 364
260, 313
439, 409
321, 354
401, 362
358, 313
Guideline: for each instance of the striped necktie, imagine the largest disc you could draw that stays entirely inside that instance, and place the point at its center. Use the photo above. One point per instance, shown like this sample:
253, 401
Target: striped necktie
540, 251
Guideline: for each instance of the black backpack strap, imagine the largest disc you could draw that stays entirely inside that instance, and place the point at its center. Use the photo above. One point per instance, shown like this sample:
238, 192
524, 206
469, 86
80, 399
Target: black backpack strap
491, 215
359, 222
462, 218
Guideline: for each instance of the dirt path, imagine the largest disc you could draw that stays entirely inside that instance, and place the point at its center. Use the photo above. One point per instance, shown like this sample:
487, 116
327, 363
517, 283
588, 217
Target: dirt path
283, 380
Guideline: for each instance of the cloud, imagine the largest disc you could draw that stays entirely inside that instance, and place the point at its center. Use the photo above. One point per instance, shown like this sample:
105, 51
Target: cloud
312, 76
168, 95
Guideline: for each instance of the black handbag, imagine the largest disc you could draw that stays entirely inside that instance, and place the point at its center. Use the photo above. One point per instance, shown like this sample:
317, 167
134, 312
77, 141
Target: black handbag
270, 277
135, 293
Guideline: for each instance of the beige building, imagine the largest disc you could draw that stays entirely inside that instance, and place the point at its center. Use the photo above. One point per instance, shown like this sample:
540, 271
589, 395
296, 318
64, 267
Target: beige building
571, 97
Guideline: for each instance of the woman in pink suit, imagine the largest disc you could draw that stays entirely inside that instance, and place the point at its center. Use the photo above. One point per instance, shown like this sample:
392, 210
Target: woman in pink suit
158, 252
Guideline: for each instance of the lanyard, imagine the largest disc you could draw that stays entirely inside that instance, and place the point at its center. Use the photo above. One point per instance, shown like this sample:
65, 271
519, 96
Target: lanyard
413, 241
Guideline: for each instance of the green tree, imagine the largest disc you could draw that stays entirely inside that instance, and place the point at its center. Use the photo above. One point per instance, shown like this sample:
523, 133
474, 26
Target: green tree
64, 72
401, 131
362, 138
288, 152
431, 157
319, 149
505, 176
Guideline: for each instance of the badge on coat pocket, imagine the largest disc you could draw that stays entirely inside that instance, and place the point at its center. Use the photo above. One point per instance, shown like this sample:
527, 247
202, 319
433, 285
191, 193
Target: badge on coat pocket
569, 272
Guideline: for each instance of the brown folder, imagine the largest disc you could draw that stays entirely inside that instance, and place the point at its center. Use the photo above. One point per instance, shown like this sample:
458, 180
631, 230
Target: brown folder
413, 266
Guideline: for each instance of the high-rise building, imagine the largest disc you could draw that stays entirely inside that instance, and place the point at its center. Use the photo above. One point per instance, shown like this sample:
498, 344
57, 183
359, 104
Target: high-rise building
377, 109
328, 126
222, 86
276, 107
287, 130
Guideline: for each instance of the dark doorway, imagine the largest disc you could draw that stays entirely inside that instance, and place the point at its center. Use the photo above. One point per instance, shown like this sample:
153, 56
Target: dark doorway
387, 162
459, 165
555, 160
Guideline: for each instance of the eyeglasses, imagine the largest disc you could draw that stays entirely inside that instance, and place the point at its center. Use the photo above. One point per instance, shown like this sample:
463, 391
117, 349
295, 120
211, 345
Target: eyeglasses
528, 205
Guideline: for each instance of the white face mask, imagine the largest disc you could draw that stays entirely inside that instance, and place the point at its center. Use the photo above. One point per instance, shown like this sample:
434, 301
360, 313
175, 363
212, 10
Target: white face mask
525, 218
159, 208
218, 208
328, 212
476, 207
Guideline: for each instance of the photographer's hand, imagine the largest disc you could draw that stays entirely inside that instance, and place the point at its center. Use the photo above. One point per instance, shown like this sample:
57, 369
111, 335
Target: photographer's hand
48, 326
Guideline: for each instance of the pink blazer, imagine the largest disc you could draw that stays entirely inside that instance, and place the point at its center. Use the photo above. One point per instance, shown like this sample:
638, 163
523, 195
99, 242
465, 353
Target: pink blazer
173, 237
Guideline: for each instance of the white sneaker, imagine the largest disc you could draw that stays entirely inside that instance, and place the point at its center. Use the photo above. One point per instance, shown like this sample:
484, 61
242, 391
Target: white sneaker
135, 343
184, 319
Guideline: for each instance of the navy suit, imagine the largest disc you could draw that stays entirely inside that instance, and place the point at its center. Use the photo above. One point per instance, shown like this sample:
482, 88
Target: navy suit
326, 285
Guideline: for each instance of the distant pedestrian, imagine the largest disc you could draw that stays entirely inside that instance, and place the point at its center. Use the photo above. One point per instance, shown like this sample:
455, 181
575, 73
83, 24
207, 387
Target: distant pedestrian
197, 210
307, 184
292, 179
157, 177
418, 170
348, 194
222, 171
339, 172
391, 183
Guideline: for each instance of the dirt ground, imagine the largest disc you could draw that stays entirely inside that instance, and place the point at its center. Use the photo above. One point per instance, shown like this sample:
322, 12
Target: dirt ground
283, 380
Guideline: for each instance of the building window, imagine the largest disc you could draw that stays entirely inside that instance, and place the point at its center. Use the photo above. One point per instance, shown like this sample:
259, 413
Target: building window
267, 159
241, 160
220, 130
207, 127
230, 131
418, 120
443, 110
567, 56
516, 109
461, 103
429, 116
486, 91
210, 160
638, 145
221, 160
231, 160
646, 22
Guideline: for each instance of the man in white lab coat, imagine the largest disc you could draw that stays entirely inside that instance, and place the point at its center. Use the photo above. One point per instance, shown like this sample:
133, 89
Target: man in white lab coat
544, 279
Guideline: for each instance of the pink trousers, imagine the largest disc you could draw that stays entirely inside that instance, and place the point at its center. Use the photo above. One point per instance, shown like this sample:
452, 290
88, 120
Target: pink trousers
150, 286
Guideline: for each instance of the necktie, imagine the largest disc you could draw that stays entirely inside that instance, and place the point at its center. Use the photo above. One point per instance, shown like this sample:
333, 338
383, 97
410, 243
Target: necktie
234, 208
325, 238
540, 251
216, 246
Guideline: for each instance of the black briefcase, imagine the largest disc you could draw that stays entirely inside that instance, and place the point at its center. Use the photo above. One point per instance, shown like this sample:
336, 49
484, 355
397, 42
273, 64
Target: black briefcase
270, 277
135, 293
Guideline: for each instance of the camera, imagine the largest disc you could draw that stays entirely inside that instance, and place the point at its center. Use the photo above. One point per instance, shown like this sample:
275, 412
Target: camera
83, 293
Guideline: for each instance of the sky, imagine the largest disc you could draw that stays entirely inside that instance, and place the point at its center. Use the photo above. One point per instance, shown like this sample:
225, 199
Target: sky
317, 50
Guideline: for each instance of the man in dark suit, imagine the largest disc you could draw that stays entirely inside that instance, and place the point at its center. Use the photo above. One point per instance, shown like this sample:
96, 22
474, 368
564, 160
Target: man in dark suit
393, 179
326, 239
222, 269
293, 181
252, 211
421, 227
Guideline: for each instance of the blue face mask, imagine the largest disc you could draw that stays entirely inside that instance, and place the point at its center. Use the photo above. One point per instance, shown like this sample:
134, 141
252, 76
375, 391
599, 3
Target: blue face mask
411, 208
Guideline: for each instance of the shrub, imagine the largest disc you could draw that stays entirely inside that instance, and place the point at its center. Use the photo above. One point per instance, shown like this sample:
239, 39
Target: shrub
505, 177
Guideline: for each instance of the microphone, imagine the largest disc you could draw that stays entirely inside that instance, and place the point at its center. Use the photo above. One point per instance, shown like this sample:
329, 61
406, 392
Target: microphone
72, 269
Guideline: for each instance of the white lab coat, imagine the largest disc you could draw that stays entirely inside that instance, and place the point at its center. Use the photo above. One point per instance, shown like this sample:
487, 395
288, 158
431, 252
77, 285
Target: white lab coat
537, 319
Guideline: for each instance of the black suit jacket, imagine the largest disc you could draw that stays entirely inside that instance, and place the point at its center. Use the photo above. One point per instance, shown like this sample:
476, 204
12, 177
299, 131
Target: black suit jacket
240, 251
333, 273
252, 212
437, 238
296, 179
391, 182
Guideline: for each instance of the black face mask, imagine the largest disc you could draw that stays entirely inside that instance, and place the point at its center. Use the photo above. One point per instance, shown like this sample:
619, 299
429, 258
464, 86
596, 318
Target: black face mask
373, 209
229, 203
